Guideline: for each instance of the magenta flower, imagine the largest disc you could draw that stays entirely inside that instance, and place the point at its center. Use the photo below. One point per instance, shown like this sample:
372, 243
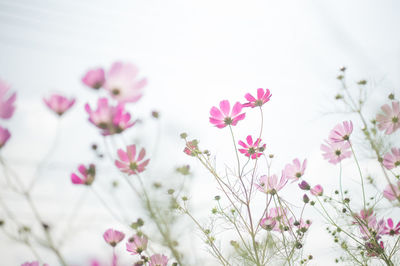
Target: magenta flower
390, 120
7, 106
317, 190
223, 117
391, 229
262, 98
253, 150
110, 119
158, 260
304, 185
94, 78
392, 160
270, 185
113, 237
373, 228
86, 177
283, 222
296, 170
392, 192
136, 244
268, 223
58, 103
191, 148
336, 151
341, 132
129, 164
122, 84
4, 136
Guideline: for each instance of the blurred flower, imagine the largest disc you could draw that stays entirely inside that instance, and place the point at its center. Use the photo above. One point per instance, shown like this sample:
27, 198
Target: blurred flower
304, 225
253, 150
122, 84
270, 184
341, 132
110, 119
4, 136
262, 98
7, 107
390, 120
58, 103
129, 164
336, 151
191, 147
226, 117
317, 190
94, 78
296, 170
268, 223
136, 244
158, 260
373, 250
391, 229
87, 175
392, 160
304, 185
113, 237
392, 192
280, 215
372, 229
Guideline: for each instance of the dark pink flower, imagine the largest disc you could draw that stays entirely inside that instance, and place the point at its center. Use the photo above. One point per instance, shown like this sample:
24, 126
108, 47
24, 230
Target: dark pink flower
122, 83
270, 184
336, 151
86, 176
262, 98
136, 244
58, 103
7, 106
392, 160
392, 192
341, 132
158, 260
113, 237
304, 185
4, 136
94, 78
223, 117
296, 170
253, 150
391, 229
317, 190
129, 163
191, 148
110, 119
390, 120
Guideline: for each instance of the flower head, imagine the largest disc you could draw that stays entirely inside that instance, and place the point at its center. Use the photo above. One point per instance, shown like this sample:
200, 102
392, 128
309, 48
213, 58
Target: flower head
341, 132
268, 223
129, 163
304, 185
303, 225
86, 177
392, 160
296, 170
317, 190
252, 150
110, 119
391, 229
262, 98
270, 185
392, 192
4, 136
94, 78
191, 148
122, 84
58, 103
390, 120
336, 151
136, 244
223, 117
158, 260
7, 106
113, 237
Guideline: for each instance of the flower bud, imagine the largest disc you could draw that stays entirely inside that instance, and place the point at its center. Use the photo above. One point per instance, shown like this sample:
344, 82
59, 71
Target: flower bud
304, 185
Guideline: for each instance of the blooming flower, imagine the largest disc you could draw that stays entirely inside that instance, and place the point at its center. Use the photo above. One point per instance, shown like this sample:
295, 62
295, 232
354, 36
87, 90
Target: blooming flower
262, 98
392, 192
392, 160
280, 215
268, 223
253, 150
226, 117
122, 84
59, 104
341, 132
390, 120
336, 151
129, 164
110, 119
158, 260
7, 107
4, 136
296, 170
87, 175
136, 244
94, 78
113, 237
391, 229
317, 190
270, 184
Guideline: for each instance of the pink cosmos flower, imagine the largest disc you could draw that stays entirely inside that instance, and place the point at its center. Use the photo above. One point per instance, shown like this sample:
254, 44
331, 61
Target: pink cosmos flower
373, 229
341, 132
317, 190
268, 223
365, 215
253, 150
122, 84
296, 170
110, 119
391, 229
390, 120
262, 98
58, 103
283, 221
94, 78
336, 151
7, 106
223, 117
158, 260
303, 225
4, 136
191, 148
392, 192
392, 160
270, 184
129, 164
136, 244
86, 177
113, 237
